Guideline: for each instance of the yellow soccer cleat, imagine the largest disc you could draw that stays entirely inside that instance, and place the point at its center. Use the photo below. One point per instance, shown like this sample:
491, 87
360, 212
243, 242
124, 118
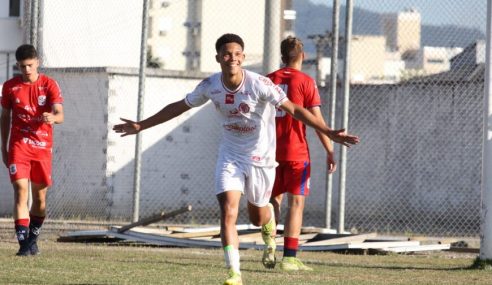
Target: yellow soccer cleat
267, 230
234, 278
293, 264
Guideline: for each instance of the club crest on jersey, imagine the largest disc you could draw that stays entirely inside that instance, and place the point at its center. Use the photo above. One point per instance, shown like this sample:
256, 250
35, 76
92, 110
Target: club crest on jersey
229, 98
244, 108
42, 100
13, 169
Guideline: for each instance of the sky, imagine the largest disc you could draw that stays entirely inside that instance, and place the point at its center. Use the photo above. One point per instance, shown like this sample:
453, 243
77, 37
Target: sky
468, 13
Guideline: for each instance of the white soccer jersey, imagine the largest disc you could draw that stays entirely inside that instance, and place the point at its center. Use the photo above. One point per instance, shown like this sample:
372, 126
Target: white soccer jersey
248, 116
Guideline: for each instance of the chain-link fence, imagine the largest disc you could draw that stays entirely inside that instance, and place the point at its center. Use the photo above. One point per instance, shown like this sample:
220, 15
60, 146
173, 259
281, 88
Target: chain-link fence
415, 100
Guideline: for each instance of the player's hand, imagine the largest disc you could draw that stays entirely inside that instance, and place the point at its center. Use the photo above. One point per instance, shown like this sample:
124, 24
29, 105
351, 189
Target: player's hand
341, 137
332, 164
48, 118
128, 128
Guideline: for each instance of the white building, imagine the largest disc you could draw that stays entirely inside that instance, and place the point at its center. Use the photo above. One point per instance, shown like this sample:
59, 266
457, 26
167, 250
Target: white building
76, 33
182, 34
431, 60
11, 29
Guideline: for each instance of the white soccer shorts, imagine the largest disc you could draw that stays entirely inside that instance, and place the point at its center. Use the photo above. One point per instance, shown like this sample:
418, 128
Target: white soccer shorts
254, 182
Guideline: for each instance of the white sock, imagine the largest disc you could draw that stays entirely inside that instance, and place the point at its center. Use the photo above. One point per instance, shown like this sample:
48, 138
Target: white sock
231, 256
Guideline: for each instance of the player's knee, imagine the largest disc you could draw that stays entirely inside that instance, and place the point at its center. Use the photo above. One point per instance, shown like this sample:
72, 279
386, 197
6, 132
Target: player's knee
297, 202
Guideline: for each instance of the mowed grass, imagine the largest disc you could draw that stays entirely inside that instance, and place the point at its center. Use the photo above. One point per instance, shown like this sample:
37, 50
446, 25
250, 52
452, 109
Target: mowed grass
81, 263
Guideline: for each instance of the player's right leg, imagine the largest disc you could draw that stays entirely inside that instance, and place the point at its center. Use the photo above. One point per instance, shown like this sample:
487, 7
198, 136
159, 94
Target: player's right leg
21, 215
229, 209
229, 181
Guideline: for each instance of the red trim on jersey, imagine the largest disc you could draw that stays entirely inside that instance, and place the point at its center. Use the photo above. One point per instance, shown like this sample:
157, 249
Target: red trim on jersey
237, 89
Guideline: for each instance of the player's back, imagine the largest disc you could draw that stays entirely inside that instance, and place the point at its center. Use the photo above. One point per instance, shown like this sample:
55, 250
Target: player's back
291, 134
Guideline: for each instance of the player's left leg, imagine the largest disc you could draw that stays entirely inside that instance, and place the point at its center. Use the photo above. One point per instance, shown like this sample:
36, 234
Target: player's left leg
37, 215
297, 187
265, 217
40, 181
258, 189
292, 231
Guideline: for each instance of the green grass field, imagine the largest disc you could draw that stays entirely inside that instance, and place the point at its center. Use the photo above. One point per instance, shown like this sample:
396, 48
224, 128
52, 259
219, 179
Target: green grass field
80, 263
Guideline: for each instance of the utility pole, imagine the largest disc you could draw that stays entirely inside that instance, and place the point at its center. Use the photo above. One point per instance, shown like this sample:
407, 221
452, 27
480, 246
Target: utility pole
321, 42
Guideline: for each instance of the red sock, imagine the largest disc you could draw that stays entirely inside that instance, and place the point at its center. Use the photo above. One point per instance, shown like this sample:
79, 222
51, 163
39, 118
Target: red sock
291, 245
22, 222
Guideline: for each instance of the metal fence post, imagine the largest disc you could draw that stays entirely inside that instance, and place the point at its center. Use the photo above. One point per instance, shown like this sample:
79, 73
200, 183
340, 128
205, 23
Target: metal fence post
333, 92
271, 57
34, 23
140, 107
486, 215
346, 92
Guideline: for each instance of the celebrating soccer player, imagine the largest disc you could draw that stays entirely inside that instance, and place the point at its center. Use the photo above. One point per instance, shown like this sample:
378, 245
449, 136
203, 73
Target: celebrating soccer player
246, 160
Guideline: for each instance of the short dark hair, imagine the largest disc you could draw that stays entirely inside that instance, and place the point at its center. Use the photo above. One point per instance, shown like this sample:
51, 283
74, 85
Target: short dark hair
228, 38
291, 48
26, 52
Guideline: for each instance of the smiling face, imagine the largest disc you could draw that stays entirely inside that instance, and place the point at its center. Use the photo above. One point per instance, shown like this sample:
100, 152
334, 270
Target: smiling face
230, 57
29, 69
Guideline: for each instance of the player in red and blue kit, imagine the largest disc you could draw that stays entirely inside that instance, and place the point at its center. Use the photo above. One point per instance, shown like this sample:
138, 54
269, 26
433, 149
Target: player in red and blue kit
31, 104
294, 170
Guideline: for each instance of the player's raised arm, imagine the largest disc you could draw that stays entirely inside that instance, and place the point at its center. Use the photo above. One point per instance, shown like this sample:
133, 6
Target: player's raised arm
302, 114
167, 113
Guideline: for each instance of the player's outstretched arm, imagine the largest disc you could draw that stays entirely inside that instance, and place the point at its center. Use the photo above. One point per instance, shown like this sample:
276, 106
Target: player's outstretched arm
167, 113
299, 113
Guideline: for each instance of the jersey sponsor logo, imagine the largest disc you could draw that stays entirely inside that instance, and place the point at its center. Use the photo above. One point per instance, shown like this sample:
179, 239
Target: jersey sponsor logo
244, 108
13, 169
240, 129
42, 100
229, 98
34, 143
215, 92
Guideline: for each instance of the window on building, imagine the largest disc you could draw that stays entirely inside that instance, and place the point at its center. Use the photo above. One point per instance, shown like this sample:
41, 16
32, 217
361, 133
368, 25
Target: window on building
435, 60
14, 8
